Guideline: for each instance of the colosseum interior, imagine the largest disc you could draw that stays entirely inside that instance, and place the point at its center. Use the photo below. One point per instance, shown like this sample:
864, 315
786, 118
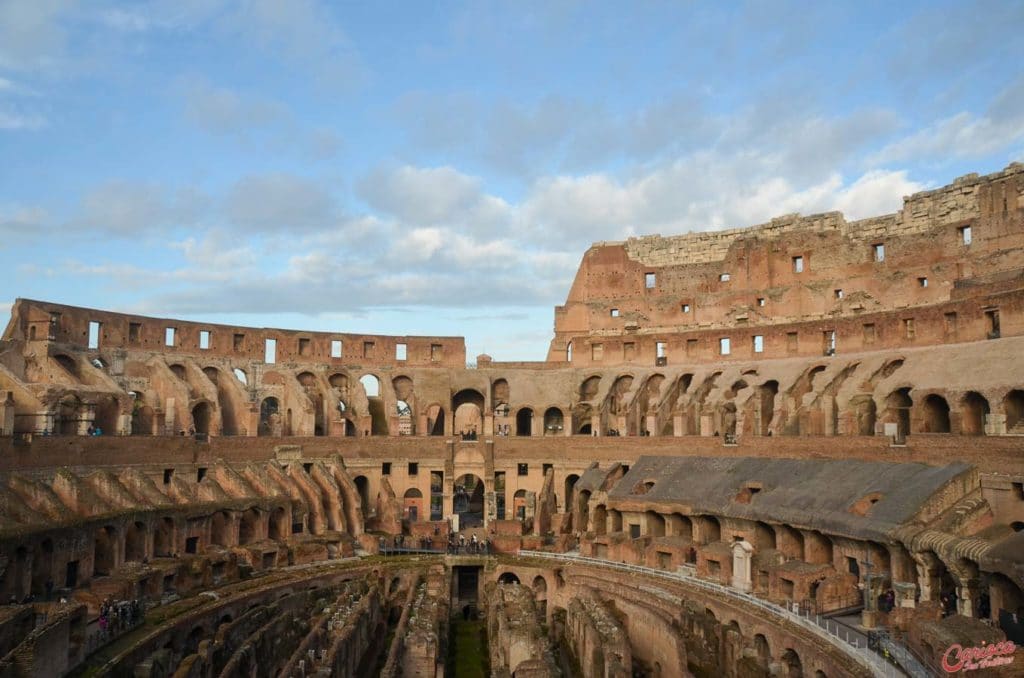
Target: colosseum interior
794, 449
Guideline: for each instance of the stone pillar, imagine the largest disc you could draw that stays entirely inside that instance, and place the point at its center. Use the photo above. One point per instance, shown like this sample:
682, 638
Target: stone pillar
421, 425
595, 425
742, 553
488, 424
677, 426
652, 424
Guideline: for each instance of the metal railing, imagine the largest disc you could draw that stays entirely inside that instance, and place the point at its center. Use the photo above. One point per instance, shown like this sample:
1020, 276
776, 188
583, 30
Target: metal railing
851, 644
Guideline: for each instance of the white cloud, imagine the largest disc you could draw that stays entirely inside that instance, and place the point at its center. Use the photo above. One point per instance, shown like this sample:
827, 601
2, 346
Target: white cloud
31, 36
219, 110
280, 203
965, 134
434, 196
14, 121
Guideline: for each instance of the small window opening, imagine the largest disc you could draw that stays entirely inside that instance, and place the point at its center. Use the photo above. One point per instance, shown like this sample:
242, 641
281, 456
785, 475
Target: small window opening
238, 342
204, 339
869, 333
414, 468
798, 264
368, 348
661, 349
523, 469
650, 280
878, 251
191, 545
761, 301
829, 340
335, 348
270, 351
304, 346
614, 313
839, 294
724, 277
169, 336
385, 468
545, 468
950, 323
200, 474
134, 332
401, 351
686, 308
94, 334
922, 282
965, 235
307, 467
724, 346
758, 343
168, 474
992, 316
436, 353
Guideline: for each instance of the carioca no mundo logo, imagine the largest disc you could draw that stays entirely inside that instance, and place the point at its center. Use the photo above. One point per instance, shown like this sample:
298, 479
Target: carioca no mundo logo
958, 658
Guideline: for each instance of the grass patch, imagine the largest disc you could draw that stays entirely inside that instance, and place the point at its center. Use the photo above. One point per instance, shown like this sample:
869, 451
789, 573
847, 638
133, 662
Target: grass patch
468, 644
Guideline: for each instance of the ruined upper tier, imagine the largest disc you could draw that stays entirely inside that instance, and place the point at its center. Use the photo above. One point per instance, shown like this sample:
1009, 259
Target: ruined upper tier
947, 268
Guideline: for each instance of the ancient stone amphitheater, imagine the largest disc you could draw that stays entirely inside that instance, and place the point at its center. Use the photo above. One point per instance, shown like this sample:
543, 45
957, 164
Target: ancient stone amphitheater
795, 449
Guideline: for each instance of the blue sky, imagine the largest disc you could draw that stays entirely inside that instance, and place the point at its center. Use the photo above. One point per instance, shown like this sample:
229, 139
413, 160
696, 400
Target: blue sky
440, 168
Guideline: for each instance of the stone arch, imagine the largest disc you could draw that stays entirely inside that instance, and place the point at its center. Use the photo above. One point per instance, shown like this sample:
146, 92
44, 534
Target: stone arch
104, 558
249, 526
270, 417
412, 505
143, 417
524, 422
42, 566
500, 393
710, 529
363, 488
679, 525
220, 529
468, 409
974, 408
554, 421
762, 650
764, 536
790, 541
589, 387
655, 523
1004, 596
1013, 408
163, 538
107, 413
508, 578
135, 542
935, 414
468, 500
898, 404
405, 404
569, 492
767, 393
866, 413
279, 528
201, 416
375, 403
793, 667
435, 420
70, 414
